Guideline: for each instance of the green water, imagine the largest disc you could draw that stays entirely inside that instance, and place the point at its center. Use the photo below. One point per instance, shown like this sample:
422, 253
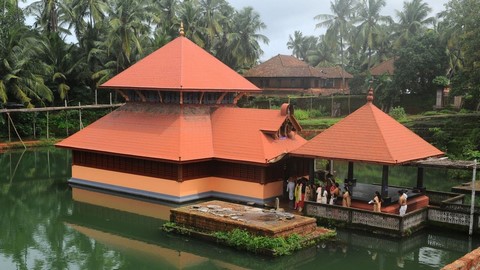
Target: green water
41, 227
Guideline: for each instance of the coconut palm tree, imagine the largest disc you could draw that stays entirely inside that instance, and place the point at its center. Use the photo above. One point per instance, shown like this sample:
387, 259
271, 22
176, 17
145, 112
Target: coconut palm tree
243, 40
191, 18
21, 73
369, 28
338, 25
322, 54
300, 45
123, 45
413, 20
212, 21
50, 15
127, 32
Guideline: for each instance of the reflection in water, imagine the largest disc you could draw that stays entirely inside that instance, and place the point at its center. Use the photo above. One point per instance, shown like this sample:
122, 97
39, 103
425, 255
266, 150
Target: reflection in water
43, 228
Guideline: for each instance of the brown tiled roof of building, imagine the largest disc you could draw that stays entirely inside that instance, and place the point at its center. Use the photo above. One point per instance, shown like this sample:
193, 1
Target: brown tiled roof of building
385, 67
186, 133
368, 135
333, 72
287, 66
180, 65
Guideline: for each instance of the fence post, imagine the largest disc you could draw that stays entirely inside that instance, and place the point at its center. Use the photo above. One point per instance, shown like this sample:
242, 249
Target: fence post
9, 136
47, 126
472, 205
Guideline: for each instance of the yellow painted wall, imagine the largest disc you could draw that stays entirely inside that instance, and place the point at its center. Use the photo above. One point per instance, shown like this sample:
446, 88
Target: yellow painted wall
179, 189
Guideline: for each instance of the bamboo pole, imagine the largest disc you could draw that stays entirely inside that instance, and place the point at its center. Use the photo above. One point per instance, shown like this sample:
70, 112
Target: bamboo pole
14, 128
46, 109
47, 127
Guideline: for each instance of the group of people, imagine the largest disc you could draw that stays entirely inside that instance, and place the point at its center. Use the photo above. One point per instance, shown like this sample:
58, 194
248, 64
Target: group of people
332, 194
299, 190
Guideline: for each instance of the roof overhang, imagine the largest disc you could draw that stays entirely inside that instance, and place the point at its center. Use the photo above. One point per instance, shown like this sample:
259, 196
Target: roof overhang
444, 162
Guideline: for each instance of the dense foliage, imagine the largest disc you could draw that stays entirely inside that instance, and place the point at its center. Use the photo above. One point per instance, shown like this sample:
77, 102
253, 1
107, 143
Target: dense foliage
358, 36
75, 45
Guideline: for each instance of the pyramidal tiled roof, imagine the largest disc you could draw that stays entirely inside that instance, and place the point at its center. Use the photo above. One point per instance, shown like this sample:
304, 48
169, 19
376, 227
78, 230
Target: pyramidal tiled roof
186, 133
385, 67
180, 65
281, 66
334, 72
368, 135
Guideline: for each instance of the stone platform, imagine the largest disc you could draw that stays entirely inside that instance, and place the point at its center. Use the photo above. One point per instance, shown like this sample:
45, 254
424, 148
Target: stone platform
217, 215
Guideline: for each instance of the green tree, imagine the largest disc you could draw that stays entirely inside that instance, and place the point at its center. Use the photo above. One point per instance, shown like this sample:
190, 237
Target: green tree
212, 21
123, 44
244, 40
369, 28
338, 25
22, 73
413, 20
322, 54
49, 15
462, 22
419, 62
301, 45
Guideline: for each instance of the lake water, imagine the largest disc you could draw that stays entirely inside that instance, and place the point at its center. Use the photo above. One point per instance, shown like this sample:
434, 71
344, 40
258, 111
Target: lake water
42, 227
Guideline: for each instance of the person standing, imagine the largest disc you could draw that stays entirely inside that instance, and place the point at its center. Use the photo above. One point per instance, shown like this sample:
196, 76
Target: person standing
334, 193
377, 202
298, 193
291, 190
303, 189
322, 194
402, 201
347, 197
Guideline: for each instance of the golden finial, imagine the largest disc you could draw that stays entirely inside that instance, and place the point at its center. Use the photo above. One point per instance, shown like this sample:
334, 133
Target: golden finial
182, 33
370, 92
370, 95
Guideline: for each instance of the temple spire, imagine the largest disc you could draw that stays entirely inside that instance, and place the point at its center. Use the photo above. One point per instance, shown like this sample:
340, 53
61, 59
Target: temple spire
370, 95
182, 32
370, 92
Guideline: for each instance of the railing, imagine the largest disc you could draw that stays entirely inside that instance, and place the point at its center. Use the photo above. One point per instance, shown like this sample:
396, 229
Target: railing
438, 197
461, 220
448, 211
386, 223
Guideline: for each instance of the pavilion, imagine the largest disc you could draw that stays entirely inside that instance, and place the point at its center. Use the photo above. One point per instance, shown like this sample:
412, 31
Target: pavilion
369, 135
180, 136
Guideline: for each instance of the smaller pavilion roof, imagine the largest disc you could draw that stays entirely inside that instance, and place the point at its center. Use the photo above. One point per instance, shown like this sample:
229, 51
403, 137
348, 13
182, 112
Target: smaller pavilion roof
368, 135
180, 65
282, 66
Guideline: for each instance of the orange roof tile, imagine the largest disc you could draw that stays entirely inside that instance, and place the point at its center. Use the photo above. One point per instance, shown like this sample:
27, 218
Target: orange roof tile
282, 66
368, 135
184, 133
180, 65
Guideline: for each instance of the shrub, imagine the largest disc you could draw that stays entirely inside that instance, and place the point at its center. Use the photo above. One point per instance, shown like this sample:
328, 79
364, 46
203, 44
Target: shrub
243, 240
301, 114
398, 113
317, 113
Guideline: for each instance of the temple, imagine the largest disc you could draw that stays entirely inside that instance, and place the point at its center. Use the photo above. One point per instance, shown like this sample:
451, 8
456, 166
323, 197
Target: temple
180, 136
